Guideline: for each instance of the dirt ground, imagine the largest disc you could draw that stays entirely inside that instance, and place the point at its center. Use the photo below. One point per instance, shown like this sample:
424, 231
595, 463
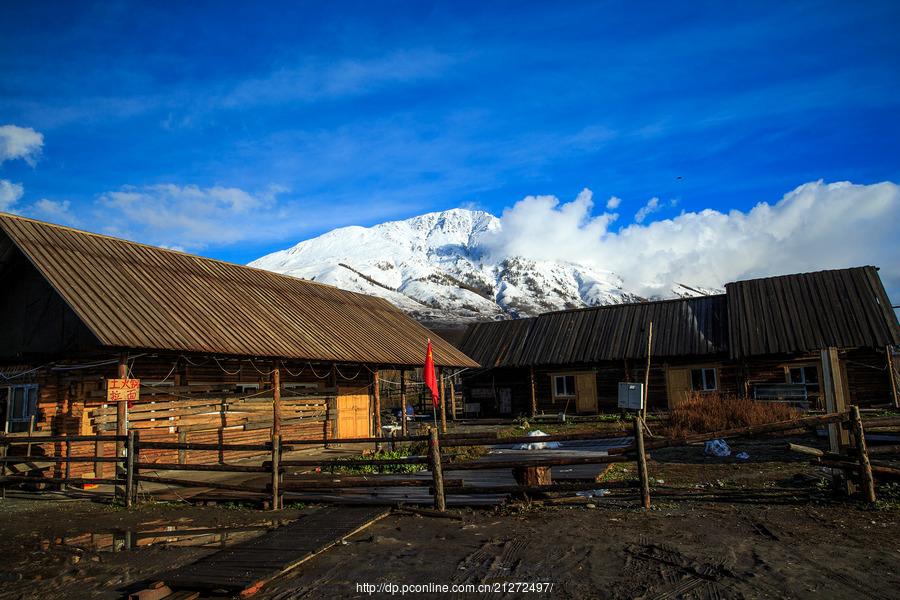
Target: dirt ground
719, 528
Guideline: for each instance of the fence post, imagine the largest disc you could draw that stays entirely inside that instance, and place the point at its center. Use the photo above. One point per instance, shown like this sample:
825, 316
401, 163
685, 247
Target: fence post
437, 476
865, 468
129, 469
642, 462
276, 472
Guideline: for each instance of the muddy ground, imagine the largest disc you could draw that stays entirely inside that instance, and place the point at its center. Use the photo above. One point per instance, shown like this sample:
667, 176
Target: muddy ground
775, 531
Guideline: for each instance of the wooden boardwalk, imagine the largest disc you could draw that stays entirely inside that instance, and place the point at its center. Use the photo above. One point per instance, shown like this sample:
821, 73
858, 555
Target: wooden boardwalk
245, 567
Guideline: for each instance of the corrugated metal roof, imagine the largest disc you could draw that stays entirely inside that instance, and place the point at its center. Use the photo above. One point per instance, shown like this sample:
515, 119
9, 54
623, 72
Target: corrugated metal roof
846, 308
689, 326
805, 312
136, 296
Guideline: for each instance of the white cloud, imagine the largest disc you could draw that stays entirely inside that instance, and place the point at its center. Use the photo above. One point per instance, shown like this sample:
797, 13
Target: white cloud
9, 194
20, 142
315, 79
540, 227
53, 210
815, 226
192, 217
613, 203
651, 207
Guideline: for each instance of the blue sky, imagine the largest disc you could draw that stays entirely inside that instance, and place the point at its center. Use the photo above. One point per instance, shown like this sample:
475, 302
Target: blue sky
236, 129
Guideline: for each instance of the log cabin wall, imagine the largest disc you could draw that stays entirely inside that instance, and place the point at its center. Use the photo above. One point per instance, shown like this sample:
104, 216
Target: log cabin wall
865, 369
197, 402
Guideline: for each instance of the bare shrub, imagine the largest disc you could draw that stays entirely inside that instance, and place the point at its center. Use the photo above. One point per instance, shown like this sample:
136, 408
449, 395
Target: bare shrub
703, 412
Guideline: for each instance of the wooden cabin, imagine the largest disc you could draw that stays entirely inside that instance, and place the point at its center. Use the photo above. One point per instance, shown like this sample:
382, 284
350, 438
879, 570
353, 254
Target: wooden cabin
205, 340
762, 339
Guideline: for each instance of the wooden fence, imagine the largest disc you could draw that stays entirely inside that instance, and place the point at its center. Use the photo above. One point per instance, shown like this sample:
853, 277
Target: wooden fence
531, 474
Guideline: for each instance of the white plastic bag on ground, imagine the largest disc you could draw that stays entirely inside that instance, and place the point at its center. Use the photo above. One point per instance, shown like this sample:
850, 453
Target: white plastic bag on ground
742, 456
716, 448
538, 445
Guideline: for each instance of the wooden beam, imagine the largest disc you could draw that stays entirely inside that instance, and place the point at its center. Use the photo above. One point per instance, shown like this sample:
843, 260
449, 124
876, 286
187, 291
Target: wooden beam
452, 398
647, 372
276, 401
376, 397
437, 476
443, 400
403, 401
865, 468
642, 462
533, 393
276, 472
121, 407
835, 402
892, 373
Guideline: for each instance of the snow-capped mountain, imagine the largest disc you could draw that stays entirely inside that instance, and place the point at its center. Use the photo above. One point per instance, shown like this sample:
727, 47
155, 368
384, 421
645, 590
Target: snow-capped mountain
437, 268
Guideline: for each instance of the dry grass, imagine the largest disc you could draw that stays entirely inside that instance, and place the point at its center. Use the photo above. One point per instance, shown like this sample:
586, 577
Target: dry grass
703, 412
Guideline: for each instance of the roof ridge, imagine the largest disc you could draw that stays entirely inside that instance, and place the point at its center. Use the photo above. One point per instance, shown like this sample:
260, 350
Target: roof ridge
4, 215
803, 273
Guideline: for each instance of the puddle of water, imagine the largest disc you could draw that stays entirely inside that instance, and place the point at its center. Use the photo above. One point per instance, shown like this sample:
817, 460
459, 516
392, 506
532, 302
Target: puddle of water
173, 534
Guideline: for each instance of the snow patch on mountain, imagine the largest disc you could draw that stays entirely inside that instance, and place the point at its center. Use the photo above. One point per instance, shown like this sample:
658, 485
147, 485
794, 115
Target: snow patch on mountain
437, 268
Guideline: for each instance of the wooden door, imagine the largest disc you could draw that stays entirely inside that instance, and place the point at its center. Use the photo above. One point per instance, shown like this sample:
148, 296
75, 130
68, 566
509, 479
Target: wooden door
586, 393
353, 415
678, 384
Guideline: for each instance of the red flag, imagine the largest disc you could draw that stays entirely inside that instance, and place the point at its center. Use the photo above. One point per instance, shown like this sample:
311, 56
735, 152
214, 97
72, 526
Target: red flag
430, 379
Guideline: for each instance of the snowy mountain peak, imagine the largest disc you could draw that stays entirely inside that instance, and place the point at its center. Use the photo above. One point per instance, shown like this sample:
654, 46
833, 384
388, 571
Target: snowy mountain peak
435, 267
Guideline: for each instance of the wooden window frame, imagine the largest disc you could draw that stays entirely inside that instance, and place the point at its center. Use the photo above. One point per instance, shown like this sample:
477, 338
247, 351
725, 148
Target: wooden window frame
703, 369
556, 396
29, 410
805, 365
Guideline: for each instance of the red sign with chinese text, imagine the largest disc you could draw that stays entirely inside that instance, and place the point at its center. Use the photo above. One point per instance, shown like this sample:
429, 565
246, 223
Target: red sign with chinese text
123, 390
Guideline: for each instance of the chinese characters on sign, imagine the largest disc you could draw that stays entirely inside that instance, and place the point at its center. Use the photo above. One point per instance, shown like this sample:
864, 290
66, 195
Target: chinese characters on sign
123, 390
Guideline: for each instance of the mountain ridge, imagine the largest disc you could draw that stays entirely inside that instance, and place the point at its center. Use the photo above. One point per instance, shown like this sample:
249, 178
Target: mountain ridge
442, 269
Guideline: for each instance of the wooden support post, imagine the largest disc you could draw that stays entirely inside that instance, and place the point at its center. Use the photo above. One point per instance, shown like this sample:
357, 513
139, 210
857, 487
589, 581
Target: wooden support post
437, 476
443, 401
533, 394
892, 373
121, 407
452, 398
276, 472
276, 400
403, 401
832, 376
838, 437
376, 398
642, 462
865, 468
136, 445
647, 372
129, 468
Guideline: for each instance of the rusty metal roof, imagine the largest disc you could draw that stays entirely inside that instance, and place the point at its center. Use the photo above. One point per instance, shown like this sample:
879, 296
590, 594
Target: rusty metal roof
845, 308
689, 326
136, 296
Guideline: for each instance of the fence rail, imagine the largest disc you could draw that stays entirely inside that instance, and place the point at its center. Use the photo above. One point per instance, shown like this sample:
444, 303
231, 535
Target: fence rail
854, 461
